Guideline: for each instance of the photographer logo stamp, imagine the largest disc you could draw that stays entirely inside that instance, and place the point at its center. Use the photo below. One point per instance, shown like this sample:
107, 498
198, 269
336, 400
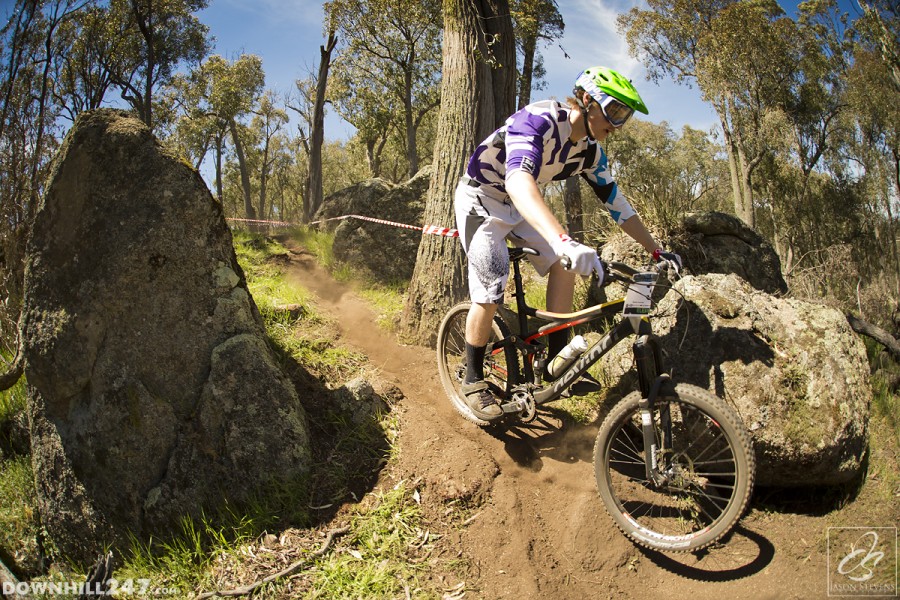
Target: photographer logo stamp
862, 561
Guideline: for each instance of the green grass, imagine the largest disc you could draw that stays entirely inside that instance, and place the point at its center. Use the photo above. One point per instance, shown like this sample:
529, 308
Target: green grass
19, 525
385, 299
186, 560
387, 303
310, 341
375, 563
319, 243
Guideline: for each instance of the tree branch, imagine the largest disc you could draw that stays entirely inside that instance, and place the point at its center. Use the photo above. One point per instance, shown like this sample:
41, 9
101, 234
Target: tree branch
249, 589
876, 333
14, 373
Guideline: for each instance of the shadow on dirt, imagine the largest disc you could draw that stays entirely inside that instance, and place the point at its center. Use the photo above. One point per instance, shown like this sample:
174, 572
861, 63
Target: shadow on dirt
740, 554
552, 434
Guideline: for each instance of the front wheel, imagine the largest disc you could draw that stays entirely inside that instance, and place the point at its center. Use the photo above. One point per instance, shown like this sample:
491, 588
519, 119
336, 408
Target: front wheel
451, 358
706, 469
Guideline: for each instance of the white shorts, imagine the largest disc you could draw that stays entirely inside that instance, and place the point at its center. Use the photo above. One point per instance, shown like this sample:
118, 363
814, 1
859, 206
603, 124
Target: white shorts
485, 223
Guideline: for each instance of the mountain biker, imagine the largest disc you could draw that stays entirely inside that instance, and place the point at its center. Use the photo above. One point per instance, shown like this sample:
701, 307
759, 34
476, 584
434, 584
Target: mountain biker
498, 199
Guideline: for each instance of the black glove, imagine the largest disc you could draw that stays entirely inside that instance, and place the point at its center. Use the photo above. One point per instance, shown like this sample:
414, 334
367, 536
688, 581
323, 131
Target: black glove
670, 257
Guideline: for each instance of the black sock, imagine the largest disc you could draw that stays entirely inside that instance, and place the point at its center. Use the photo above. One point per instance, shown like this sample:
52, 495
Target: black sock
474, 363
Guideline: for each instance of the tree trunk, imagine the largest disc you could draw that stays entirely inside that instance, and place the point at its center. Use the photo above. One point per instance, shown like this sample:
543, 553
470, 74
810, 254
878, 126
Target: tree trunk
476, 95
574, 212
412, 153
249, 212
317, 128
220, 141
876, 333
890, 221
263, 182
748, 214
743, 207
529, 46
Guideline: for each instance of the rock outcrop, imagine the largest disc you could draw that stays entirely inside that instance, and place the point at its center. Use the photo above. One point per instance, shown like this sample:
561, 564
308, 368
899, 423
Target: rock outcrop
153, 392
386, 252
794, 371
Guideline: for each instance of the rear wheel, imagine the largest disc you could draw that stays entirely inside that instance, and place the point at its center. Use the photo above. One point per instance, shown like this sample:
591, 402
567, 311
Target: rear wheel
451, 356
708, 467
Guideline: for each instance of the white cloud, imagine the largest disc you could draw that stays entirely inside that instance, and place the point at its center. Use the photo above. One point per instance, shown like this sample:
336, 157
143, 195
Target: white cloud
591, 38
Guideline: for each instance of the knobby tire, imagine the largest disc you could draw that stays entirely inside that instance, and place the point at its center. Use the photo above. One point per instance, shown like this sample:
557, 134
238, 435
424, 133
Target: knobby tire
711, 463
451, 358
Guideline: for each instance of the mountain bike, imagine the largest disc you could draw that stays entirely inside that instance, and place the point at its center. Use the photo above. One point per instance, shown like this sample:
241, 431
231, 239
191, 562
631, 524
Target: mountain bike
673, 462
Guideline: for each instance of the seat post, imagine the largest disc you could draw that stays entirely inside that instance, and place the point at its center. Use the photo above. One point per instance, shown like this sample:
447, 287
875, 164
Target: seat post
521, 307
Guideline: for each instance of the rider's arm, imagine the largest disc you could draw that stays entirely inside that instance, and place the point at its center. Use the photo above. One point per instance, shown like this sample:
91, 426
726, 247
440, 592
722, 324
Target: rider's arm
527, 198
602, 184
635, 228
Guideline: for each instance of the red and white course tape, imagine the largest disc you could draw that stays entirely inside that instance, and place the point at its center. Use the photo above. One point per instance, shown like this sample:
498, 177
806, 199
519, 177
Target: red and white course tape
429, 229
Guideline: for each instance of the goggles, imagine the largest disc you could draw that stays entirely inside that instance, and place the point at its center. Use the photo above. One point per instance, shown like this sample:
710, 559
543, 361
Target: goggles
615, 111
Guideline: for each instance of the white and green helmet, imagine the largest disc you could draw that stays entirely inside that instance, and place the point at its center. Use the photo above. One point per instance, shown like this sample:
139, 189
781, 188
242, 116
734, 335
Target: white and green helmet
615, 94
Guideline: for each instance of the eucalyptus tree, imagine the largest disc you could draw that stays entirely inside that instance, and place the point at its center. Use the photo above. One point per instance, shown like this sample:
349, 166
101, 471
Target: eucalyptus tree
389, 65
535, 21
734, 51
812, 100
152, 39
216, 97
268, 122
665, 174
308, 101
874, 99
30, 44
20, 50
82, 75
477, 94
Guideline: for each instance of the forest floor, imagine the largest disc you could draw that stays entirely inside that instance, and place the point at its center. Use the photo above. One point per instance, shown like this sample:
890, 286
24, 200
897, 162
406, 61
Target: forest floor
534, 525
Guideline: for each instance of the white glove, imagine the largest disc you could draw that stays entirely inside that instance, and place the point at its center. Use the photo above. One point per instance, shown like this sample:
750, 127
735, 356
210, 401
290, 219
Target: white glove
671, 257
582, 259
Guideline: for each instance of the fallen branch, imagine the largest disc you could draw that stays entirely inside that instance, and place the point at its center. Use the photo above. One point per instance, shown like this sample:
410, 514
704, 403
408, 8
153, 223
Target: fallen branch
876, 333
9, 379
249, 589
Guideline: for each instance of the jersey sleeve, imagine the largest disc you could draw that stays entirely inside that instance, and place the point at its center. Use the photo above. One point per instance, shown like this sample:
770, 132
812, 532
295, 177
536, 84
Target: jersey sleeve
525, 133
606, 189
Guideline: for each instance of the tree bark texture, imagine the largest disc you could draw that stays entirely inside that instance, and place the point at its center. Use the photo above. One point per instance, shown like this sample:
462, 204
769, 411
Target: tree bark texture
876, 333
574, 210
477, 94
249, 211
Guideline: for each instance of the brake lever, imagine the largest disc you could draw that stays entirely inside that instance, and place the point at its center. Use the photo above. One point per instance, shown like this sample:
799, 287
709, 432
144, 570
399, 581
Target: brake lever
668, 267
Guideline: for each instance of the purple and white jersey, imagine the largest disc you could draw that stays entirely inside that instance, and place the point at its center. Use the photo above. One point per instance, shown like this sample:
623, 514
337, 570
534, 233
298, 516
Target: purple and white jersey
536, 139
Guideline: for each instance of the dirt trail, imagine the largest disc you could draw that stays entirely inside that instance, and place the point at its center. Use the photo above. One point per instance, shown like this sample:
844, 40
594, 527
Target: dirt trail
541, 531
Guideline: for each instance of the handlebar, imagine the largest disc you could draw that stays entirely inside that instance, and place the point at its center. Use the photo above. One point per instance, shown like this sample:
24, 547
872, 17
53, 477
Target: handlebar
619, 271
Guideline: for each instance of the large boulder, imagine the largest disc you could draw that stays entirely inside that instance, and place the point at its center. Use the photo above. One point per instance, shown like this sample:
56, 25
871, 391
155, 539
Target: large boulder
386, 252
713, 242
153, 392
794, 371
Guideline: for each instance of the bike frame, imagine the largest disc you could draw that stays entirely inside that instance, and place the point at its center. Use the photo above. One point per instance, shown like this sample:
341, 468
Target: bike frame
648, 356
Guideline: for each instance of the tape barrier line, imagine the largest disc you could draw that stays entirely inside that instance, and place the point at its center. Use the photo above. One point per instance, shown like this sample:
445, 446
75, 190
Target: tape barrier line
428, 229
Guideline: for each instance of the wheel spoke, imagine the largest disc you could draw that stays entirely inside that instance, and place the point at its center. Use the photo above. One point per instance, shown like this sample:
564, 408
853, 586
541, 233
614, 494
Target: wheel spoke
699, 474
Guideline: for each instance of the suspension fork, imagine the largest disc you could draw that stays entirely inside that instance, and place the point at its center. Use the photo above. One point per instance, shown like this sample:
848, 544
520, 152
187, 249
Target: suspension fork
648, 358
